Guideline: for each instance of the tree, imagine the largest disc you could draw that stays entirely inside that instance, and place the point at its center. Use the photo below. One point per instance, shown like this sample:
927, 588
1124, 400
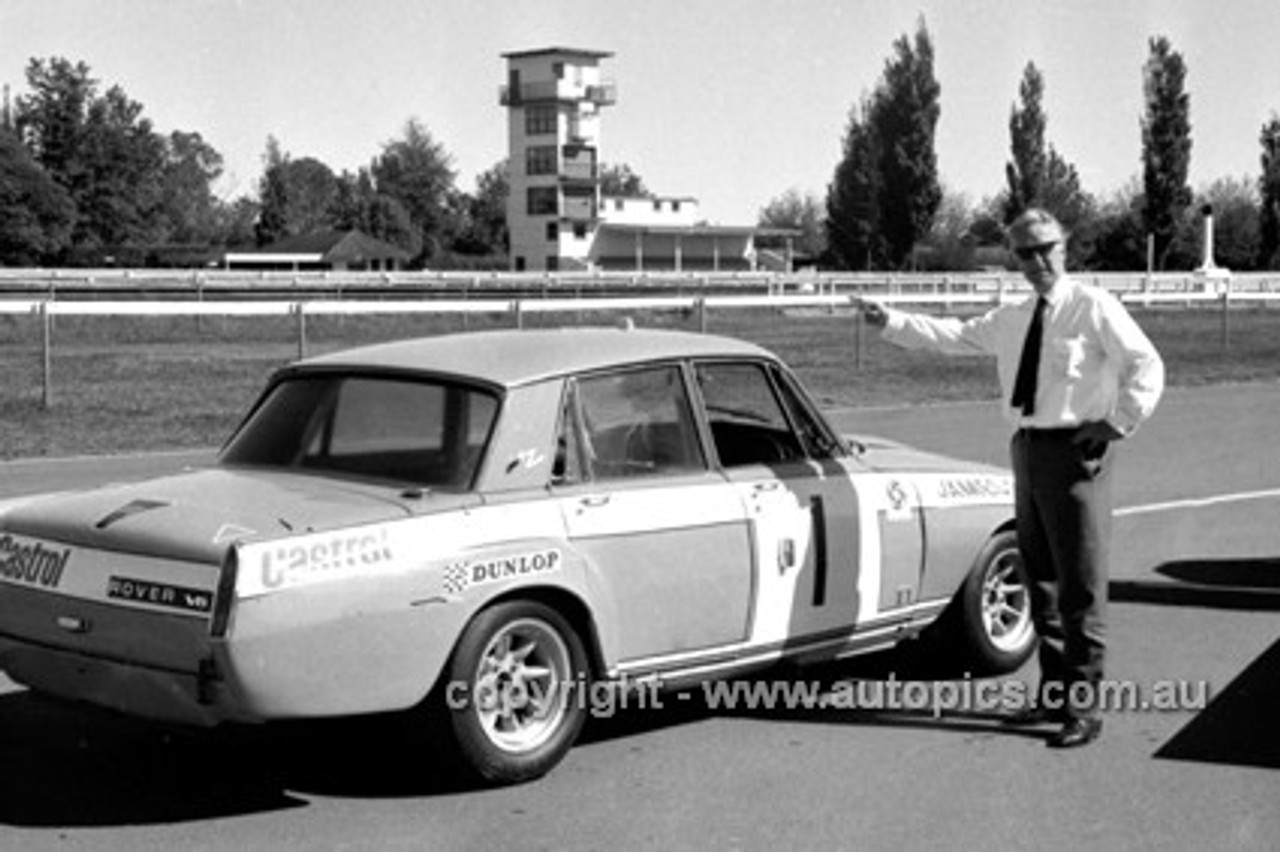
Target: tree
1039, 176
418, 173
1026, 171
120, 206
1269, 190
102, 151
312, 190
905, 115
273, 197
1119, 243
1166, 146
885, 191
951, 242
236, 222
619, 181
852, 209
485, 214
38, 212
800, 212
50, 120
188, 205
297, 196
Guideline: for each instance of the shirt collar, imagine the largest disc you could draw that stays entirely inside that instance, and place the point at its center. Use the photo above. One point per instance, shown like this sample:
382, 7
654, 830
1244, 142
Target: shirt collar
1060, 290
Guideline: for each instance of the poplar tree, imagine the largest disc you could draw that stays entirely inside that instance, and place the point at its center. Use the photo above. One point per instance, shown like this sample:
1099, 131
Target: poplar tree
1269, 191
1025, 172
885, 191
1166, 145
852, 211
905, 117
1038, 175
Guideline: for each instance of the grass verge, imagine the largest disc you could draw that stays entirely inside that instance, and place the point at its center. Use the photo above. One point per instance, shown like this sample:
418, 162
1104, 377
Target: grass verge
149, 384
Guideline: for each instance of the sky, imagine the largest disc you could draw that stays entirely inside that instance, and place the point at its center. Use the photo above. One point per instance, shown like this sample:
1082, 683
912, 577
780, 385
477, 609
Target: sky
733, 102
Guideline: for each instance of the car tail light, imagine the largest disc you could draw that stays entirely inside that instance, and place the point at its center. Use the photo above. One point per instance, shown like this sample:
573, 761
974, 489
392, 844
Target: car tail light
226, 593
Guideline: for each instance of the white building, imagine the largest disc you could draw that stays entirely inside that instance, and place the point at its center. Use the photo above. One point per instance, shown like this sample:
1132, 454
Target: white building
555, 213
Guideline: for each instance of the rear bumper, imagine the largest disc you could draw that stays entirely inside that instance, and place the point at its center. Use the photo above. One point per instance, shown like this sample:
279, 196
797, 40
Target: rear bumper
168, 696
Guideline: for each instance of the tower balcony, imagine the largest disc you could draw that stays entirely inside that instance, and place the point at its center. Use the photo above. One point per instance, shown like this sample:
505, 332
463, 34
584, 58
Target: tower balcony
605, 94
579, 173
602, 94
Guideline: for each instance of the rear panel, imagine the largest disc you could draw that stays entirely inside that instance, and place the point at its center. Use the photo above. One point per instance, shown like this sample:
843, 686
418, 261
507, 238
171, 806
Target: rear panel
60, 602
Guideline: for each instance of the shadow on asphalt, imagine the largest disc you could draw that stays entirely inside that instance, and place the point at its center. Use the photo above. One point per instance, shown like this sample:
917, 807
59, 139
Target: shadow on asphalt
67, 765
72, 766
1241, 724
1221, 584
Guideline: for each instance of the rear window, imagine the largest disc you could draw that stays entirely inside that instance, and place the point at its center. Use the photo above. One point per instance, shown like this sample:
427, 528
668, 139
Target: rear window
417, 432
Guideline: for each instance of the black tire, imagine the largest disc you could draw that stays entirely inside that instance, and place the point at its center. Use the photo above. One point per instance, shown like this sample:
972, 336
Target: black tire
514, 694
993, 608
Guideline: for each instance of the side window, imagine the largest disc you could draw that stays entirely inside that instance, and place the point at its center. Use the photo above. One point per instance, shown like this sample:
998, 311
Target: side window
748, 423
633, 423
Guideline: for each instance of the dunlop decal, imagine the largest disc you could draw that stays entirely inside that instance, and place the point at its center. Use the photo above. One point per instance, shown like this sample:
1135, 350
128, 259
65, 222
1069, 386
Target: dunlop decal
460, 576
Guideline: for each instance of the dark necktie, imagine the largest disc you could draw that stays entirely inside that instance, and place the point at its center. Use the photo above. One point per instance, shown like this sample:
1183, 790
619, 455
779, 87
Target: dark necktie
1024, 387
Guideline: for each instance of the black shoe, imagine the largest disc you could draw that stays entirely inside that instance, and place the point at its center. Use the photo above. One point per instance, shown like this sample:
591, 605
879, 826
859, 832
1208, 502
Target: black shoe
1035, 714
1077, 732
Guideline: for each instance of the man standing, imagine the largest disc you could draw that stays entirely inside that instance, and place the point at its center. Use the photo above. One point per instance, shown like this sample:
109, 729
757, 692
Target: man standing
1077, 374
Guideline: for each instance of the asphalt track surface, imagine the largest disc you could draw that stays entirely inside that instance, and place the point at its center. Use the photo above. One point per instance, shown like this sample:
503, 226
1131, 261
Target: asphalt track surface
1195, 603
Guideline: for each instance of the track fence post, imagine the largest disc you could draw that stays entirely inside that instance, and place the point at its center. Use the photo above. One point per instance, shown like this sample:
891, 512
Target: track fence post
300, 314
46, 347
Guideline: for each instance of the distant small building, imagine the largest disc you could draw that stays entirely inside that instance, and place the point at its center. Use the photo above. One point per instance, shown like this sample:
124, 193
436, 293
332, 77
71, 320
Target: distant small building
320, 251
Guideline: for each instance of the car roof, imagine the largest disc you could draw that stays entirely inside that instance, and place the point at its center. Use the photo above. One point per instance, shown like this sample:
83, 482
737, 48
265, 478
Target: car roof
513, 357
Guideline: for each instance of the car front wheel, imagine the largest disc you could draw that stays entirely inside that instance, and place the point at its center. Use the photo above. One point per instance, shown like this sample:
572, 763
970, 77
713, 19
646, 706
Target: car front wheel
516, 681
995, 607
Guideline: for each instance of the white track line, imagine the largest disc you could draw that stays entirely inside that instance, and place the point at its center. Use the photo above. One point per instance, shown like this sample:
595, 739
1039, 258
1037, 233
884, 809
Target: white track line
1198, 503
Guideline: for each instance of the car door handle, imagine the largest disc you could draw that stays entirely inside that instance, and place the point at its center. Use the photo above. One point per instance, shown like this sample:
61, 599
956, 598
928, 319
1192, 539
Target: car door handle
769, 485
594, 501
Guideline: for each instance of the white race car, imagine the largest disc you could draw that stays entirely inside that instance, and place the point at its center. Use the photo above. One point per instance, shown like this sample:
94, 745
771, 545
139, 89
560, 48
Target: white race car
479, 527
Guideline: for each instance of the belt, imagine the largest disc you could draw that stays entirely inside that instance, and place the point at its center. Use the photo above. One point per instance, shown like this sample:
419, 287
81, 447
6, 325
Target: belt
1059, 433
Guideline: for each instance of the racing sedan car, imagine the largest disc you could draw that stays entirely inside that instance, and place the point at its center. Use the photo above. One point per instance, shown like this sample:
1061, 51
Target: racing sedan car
478, 528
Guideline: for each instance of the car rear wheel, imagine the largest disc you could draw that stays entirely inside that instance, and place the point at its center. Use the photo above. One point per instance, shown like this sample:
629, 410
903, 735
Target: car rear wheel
514, 696
994, 607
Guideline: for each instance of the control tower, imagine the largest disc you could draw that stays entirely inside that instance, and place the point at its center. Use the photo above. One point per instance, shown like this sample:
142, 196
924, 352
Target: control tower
553, 98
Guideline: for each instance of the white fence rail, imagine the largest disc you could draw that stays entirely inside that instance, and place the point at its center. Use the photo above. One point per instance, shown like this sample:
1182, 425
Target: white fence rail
143, 283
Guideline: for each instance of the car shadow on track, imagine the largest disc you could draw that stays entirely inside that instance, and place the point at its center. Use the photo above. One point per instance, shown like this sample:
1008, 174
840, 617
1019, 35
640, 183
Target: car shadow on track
72, 766
67, 765
924, 683
1241, 724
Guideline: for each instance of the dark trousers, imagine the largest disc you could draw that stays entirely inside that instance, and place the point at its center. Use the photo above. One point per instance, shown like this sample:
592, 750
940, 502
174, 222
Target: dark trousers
1063, 505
